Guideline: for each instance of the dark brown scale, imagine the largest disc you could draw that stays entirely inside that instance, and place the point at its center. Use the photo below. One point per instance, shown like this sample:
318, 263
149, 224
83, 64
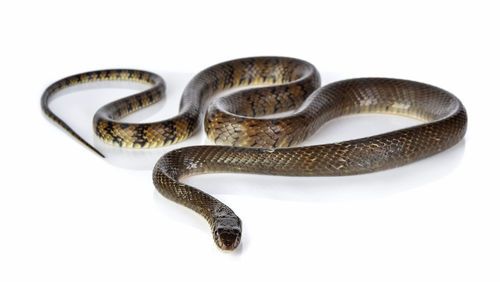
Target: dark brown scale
284, 84
445, 124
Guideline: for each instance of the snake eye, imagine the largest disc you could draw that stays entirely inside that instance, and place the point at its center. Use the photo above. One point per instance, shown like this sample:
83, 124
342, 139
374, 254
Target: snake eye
216, 234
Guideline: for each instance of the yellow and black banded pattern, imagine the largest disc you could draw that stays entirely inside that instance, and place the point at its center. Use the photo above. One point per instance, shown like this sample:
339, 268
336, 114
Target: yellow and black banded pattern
104, 127
285, 83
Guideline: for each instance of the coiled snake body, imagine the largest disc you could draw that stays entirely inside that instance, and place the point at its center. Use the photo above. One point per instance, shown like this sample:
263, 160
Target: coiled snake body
284, 84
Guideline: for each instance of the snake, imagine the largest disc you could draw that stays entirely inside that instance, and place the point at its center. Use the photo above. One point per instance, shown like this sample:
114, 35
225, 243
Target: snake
250, 138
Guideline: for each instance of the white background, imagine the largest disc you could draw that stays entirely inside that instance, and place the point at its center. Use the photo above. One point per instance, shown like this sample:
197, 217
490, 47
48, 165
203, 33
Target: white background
68, 215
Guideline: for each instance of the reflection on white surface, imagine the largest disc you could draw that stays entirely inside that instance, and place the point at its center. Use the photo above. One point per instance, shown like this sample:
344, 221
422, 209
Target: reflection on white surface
335, 188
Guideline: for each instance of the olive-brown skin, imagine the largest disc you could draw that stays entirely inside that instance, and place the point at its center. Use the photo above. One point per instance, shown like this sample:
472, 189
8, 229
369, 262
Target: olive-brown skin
256, 144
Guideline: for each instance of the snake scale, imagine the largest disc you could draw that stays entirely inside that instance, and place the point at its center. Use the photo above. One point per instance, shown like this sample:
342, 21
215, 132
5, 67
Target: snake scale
265, 86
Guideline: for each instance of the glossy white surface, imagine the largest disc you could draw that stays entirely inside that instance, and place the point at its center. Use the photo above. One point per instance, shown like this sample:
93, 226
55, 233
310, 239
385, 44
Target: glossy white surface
68, 215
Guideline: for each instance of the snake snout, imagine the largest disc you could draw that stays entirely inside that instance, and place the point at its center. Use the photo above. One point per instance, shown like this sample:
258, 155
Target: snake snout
226, 229
227, 239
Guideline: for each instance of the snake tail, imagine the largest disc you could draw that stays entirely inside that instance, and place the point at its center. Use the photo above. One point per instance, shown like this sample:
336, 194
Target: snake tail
112, 111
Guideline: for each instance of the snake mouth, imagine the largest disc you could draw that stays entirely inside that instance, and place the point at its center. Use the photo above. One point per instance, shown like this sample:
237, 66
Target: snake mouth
227, 239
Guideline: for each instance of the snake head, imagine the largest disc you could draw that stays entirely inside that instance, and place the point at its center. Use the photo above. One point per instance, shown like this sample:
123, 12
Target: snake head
227, 232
